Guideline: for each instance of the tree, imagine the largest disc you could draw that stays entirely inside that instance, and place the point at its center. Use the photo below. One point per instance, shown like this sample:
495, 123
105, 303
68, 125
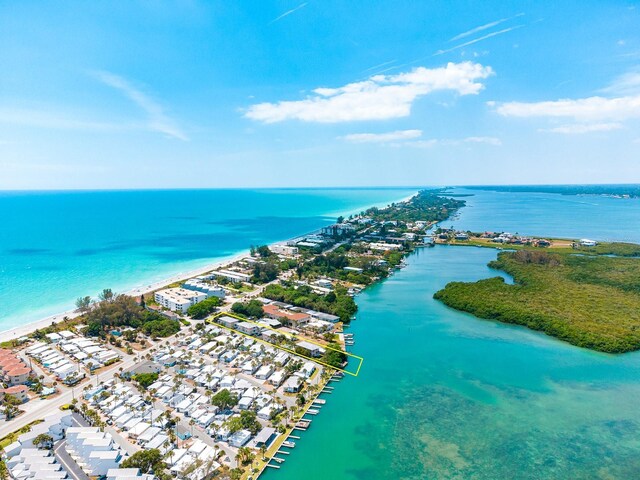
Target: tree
264, 272
142, 302
203, 308
10, 404
224, 399
106, 295
83, 305
146, 461
252, 308
43, 441
145, 379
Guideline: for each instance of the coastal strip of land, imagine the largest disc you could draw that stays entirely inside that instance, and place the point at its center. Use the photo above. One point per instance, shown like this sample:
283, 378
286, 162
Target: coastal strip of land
214, 370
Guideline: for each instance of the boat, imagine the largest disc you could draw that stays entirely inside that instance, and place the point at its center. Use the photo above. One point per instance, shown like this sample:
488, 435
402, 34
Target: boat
288, 444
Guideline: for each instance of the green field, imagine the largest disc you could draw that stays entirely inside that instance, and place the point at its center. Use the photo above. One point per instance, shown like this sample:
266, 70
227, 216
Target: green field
589, 301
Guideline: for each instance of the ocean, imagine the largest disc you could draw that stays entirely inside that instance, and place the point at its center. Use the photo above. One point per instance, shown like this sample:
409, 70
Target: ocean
444, 395
58, 246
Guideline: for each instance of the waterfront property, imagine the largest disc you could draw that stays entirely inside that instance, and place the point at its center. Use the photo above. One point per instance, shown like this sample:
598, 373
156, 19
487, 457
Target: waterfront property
179, 299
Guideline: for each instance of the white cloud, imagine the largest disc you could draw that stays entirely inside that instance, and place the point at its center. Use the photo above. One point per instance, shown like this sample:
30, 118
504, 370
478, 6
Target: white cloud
486, 26
382, 137
157, 119
592, 109
377, 98
579, 128
488, 140
288, 12
433, 142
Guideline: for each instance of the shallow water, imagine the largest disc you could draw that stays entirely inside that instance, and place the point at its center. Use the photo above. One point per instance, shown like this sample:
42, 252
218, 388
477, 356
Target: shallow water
443, 395
57, 246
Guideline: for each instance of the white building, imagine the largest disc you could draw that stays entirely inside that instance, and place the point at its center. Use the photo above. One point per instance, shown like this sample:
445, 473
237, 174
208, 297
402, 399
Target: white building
284, 249
179, 299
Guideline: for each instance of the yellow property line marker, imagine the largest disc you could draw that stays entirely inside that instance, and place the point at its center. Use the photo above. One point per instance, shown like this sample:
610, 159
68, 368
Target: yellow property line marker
351, 355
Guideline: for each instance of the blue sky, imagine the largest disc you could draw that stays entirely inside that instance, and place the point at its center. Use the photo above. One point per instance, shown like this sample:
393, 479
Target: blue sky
318, 93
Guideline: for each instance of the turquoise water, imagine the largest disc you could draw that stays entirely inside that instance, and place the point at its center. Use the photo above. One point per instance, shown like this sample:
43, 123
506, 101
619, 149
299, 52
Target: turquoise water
57, 246
443, 395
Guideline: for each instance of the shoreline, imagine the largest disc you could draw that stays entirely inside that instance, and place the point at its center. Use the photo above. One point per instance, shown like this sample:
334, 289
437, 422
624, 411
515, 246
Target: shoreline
26, 329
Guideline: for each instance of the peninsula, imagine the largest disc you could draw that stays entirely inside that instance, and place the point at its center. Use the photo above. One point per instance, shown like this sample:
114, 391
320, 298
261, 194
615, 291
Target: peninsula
582, 292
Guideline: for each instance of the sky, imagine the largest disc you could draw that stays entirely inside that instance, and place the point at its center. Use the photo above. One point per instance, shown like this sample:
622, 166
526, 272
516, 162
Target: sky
189, 94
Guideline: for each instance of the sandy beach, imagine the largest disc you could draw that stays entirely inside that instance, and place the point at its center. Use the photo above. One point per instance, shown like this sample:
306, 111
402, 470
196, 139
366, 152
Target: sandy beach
26, 329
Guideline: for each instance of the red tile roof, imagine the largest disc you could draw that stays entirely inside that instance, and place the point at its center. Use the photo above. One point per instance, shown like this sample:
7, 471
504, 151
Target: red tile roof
15, 389
275, 311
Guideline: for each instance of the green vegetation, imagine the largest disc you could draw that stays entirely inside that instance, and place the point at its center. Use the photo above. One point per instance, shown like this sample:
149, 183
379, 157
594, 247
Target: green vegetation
204, 308
427, 205
43, 441
145, 379
246, 421
13, 436
264, 272
252, 308
124, 311
336, 302
147, 461
616, 248
224, 399
589, 301
615, 190
163, 327
334, 355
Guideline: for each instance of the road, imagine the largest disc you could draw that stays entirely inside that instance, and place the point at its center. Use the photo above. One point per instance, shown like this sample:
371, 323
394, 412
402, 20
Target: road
52, 405
63, 457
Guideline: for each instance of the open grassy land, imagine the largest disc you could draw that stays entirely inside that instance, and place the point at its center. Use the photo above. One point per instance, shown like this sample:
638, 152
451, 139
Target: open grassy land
591, 301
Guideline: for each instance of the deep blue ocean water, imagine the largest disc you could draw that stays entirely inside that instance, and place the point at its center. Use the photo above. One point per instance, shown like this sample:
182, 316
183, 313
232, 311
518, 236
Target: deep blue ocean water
57, 246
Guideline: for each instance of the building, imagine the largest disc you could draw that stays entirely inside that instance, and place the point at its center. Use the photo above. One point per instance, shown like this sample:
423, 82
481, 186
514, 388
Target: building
235, 277
285, 316
338, 230
293, 384
381, 246
199, 285
284, 249
249, 328
13, 370
312, 349
585, 242
20, 392
179, 299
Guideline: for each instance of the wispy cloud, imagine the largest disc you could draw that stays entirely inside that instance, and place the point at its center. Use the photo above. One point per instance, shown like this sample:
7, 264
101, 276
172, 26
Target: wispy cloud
398, 135
377, 98
580, 128
496, 142
380, 65
407, 138
591, 109
626, 84
452, 142
476, 40
57, 120
288, 12
481, 28
157, 119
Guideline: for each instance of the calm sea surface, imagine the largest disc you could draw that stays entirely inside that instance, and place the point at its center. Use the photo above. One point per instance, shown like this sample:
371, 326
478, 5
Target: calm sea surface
443, 395
57, 246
